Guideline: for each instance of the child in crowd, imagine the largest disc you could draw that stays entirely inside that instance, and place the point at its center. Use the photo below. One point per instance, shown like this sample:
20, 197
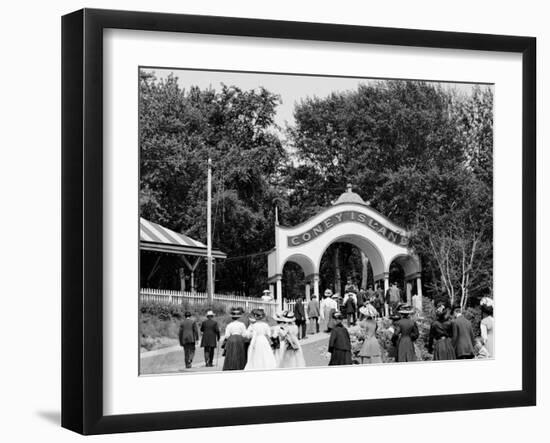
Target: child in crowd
480, 350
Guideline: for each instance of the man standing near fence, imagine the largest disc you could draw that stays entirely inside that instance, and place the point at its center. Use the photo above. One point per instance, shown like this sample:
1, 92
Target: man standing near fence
313, 313
300, 315
188, 336
210, 337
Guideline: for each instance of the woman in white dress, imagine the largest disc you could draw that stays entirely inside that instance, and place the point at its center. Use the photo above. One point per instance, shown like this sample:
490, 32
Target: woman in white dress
260, 354
290, 353
487, 326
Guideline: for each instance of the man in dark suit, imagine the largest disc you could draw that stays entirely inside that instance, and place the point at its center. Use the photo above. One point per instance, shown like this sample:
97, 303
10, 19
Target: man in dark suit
463, 336
300, 315
210, 337
350, 307
188, 336
313, 313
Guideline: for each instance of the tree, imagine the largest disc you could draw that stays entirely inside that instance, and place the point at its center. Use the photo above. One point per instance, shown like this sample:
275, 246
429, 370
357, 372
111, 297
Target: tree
420, 154
179, 130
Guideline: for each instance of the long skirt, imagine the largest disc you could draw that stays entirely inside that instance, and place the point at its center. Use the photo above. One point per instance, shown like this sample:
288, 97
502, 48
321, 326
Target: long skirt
339, 357
260, 354
405, 350
235, 355
290, 358
370, 351
443, 349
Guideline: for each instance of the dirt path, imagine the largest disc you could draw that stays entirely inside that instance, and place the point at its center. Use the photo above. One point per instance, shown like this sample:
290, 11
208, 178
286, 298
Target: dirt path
171, 360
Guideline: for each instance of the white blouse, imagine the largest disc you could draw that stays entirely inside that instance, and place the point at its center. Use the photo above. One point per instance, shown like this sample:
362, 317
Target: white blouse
327, 303
235, 328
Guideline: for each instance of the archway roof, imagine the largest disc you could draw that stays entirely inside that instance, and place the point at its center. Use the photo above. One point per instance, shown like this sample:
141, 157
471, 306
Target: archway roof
349, 219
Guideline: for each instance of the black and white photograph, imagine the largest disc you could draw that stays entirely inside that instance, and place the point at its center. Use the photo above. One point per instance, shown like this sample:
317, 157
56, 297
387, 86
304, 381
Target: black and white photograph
295, 221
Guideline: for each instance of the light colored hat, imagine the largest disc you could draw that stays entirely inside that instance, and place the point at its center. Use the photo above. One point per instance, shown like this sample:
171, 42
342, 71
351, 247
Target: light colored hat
368, 311
406, 309
288, 317
210, 313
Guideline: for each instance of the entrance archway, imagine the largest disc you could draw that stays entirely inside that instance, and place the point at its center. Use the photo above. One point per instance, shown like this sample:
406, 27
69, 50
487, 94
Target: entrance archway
349, 220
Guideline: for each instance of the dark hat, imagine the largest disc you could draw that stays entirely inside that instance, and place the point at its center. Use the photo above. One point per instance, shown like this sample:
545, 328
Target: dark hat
259, 314
337, 315
187, 314
235, 313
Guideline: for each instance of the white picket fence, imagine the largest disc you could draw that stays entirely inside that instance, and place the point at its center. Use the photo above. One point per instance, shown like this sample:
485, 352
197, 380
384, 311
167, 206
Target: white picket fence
200, 298
288, 305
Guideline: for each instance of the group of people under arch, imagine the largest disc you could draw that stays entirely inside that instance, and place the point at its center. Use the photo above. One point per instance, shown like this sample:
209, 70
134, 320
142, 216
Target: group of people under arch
251, 342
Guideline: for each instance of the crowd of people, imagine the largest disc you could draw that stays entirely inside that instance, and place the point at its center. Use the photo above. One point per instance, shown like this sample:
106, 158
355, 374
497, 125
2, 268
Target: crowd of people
250, 342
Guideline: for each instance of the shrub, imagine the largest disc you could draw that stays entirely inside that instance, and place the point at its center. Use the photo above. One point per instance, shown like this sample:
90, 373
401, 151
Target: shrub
474, 315
159, 323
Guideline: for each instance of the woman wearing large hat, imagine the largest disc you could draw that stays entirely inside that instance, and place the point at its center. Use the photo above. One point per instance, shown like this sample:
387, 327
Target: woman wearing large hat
260, 354
339, 343
405, 334
290, 354
235, 354
370, 350
441, 333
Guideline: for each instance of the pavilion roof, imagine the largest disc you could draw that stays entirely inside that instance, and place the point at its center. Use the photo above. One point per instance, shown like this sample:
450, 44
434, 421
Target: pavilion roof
155, 237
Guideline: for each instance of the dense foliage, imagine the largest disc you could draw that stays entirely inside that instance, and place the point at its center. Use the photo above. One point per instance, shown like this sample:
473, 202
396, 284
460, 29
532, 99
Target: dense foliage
420, 154
179, 130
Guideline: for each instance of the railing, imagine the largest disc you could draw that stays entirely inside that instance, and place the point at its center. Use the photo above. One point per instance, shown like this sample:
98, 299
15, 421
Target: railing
200, 298
288, 305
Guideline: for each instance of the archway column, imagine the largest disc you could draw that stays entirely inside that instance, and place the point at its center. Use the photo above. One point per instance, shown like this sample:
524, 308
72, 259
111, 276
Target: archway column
386, 287
408, 291
419, 292
308, 291
316, 285
279, 283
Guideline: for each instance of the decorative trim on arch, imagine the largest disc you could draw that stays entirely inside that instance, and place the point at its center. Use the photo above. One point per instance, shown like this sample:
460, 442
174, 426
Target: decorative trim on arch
311, 277
274, 278
381, 276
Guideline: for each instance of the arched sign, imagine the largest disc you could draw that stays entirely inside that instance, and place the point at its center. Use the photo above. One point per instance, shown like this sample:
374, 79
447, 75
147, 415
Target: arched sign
323, 226
350, 220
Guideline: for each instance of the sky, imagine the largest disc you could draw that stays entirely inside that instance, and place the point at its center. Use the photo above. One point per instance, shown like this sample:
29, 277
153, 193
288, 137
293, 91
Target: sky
291, 88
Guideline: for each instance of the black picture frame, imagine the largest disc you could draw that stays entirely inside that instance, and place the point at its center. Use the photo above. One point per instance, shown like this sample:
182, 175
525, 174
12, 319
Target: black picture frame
82, 218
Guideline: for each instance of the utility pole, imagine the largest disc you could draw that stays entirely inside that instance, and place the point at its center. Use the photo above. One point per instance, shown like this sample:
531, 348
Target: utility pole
209, 285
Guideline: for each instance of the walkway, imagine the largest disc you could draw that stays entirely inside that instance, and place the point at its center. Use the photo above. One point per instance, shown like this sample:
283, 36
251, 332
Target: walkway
171, 360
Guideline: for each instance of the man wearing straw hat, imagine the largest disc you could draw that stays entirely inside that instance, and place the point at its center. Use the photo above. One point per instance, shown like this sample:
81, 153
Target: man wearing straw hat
210, 337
